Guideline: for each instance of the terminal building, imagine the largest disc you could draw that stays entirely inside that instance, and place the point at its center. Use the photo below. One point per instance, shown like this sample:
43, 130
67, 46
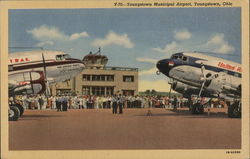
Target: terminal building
97, 79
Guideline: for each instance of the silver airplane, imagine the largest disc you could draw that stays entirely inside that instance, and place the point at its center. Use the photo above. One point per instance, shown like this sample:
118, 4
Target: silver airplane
31, 72
193, 73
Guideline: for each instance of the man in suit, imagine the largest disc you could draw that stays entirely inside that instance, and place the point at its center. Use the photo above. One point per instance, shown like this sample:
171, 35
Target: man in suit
115, 104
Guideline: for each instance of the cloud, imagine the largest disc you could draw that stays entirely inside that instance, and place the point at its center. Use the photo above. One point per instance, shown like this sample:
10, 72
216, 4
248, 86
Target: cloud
168, 48
141, 59
182, 35
216, 39
218, 44
78, 35
158, 85
114, 38
45, 32
50, 33
41, 44
224, 48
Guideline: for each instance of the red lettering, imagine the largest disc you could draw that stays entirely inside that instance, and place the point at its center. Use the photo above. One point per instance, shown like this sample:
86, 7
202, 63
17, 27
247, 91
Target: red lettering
27, 59
21, 60
10, 60
219, 64
23, 83
226, 66
16, 60
239, 69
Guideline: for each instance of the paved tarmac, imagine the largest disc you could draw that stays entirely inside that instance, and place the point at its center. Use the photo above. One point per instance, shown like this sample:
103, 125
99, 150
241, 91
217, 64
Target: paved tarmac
99, 129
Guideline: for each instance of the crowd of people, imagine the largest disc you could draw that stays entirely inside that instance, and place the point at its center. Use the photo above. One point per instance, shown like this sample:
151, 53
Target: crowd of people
62, 102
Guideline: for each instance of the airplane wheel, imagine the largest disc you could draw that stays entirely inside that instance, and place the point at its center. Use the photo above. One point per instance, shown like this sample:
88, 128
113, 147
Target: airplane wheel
14, 113
197, 108
234, 110
21, 109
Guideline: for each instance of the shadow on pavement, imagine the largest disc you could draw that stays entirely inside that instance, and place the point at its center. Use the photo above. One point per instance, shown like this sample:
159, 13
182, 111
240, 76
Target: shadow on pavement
37, 116
187, 114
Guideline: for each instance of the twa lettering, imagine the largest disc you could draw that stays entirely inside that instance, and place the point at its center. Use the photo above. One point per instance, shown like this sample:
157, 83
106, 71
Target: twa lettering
229, 67
25, 59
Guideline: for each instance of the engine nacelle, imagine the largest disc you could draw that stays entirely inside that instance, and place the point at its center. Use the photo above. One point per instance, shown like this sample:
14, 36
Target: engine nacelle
33, 88
184, 89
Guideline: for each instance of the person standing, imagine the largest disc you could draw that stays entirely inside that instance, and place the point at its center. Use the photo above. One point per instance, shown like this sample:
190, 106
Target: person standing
80, 103
40, 102
175, 102
53, 102
114, 106
65, 103
60, 103
120, 104
84, 101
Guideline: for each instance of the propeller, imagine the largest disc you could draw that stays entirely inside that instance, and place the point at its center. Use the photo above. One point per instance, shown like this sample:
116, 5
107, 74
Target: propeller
206, 79
203, 78
47, 92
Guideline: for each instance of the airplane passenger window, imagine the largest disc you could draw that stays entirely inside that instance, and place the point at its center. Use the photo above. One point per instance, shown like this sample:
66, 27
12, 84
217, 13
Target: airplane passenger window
236, 75
10, 68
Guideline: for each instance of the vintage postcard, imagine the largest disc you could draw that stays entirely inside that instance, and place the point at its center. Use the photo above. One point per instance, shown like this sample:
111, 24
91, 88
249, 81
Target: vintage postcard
125, 79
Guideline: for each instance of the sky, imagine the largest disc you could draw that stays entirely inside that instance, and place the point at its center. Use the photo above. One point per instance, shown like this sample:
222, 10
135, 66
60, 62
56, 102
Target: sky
130, 37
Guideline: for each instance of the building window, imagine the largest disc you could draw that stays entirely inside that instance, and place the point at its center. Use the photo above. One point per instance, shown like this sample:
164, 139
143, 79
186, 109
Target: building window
85, 77
102, 77
86, 90
98, 91
128, 78
110, 77
63, 92
109, 91
95, 77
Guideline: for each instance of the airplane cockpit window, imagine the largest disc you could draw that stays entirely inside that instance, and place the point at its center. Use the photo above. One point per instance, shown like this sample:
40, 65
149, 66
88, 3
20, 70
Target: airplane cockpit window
174, 57
184, 58
58, 57
179, 57
62, 56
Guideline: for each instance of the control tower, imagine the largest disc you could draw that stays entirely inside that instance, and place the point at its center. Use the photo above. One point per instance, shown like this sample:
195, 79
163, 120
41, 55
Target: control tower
95, 60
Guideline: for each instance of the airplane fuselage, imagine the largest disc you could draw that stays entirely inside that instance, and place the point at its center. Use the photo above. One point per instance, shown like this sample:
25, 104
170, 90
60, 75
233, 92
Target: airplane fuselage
59, 66
222, 76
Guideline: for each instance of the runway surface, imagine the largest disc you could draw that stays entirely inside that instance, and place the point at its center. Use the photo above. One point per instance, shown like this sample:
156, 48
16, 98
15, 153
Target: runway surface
98, 129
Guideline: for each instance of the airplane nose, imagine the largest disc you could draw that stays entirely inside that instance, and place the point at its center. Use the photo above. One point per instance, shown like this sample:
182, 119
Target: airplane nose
164, 66
82, 65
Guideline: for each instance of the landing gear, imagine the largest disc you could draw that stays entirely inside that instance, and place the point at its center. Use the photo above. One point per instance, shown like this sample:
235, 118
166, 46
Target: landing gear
14, 113
197, 108
234, 110
21, 109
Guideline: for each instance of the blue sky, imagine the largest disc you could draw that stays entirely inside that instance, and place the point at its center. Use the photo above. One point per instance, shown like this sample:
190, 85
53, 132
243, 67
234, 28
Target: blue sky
130, 37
